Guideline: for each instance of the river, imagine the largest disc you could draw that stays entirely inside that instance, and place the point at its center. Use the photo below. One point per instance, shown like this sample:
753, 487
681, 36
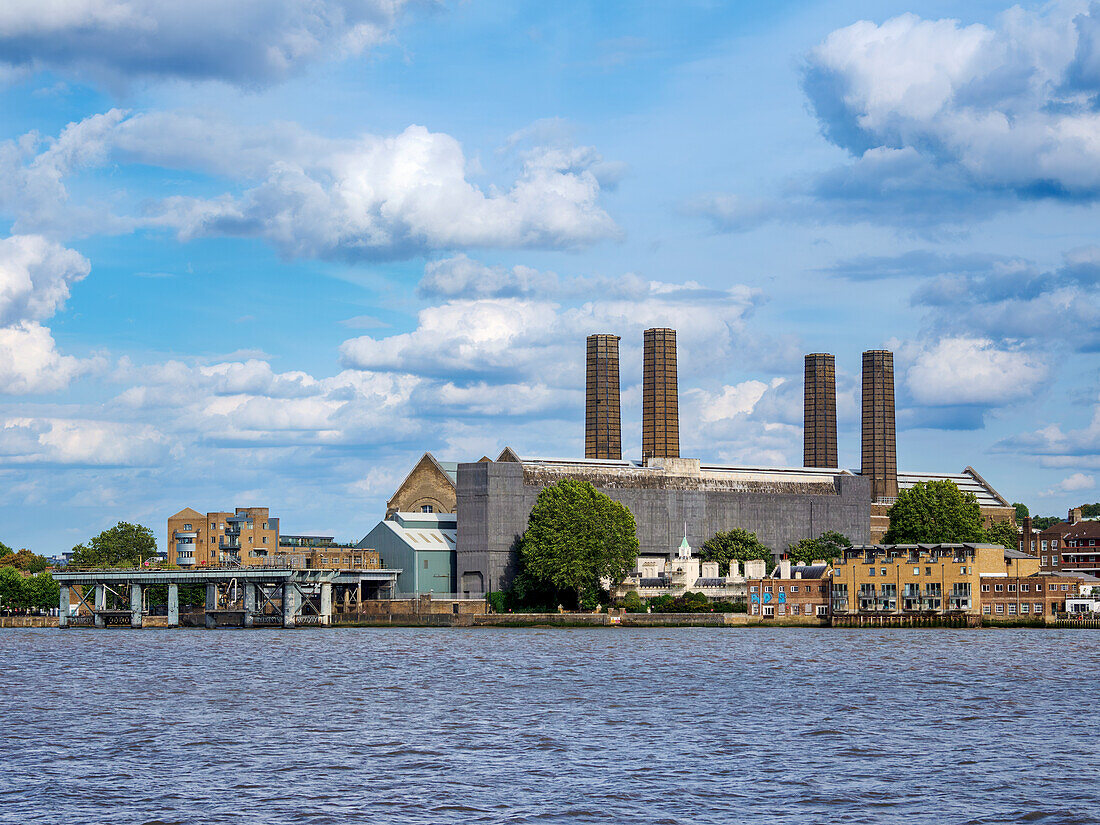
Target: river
694, 725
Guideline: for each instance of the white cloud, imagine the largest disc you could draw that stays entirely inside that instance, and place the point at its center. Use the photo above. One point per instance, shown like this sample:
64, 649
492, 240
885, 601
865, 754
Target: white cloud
247, 42
1072, 483
730, 401
30, 362
972, 371
80, 442
1009, 107
35, 275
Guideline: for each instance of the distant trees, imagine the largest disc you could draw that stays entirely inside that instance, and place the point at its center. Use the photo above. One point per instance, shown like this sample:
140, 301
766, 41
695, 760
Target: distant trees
23, 560
19, 592
828, 546
1004, 534
935, 512
1021, 511
124, 545
575, 536
735, 545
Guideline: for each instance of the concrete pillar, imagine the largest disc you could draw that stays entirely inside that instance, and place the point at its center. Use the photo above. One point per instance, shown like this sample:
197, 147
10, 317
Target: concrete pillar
290, 603
63, 607
211, 604
100, 604
135, 605
249, 603
173, 605
326, 603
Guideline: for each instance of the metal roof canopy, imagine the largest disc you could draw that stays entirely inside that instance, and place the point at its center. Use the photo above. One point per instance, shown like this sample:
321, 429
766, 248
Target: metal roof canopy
140, 575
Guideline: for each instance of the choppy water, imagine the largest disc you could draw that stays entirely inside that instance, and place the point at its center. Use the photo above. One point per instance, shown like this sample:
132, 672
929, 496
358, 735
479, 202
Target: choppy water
514, 726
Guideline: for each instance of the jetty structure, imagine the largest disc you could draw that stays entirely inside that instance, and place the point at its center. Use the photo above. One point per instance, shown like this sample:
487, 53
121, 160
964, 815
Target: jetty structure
237, 597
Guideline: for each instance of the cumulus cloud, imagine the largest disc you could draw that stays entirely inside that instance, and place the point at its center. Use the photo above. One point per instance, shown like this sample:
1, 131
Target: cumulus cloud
373, 197
961, 371
80, 442
1009, 107
246, 42
1072, 483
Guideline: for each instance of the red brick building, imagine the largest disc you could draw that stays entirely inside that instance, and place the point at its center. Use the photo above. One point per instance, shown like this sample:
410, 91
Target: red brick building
793, 590
1040, 595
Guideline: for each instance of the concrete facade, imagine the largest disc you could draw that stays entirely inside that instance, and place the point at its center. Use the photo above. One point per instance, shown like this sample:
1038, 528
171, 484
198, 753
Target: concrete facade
780, 506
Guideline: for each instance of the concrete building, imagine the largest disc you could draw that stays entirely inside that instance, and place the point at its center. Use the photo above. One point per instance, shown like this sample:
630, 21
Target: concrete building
819, 415
660, 395
245, 537
602, 426
781, 506
422, 547
428, 488
792, 590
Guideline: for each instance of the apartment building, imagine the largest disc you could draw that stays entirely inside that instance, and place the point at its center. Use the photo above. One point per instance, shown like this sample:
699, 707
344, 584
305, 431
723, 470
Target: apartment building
920, 579
1039, 595
246, 537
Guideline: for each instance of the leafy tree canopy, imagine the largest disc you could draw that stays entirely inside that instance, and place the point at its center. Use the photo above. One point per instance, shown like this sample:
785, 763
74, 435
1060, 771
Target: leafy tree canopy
734, 545
1043, 522
829, 546
1090, 510
575, 536
23, 560
124, 545
12, 590
1021, 511
935, 512
1004, 534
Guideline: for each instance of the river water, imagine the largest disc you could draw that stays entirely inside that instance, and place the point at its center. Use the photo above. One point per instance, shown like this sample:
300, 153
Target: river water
700, 725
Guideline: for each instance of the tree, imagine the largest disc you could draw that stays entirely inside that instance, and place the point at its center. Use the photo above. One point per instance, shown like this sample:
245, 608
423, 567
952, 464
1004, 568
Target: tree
734, 545
829, 546
41, 591
575, 536
935, 512
1090, 510
1004, 534
124, 545
1021, 511
1043, 522
23, 560
13, 592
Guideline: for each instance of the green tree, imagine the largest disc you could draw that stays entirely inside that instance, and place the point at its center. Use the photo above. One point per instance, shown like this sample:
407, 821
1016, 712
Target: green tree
1021, 511
41, 591
935, 512
1043, 522
13, 591
632, 603
1090, 510
829, 546
1004, 534
734, 545
124, 545
575, 536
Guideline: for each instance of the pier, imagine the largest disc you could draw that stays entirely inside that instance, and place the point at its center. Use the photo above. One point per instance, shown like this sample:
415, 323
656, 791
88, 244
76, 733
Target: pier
237, 597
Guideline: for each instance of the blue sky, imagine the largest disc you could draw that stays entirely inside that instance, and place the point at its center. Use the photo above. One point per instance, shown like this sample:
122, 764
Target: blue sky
265, 253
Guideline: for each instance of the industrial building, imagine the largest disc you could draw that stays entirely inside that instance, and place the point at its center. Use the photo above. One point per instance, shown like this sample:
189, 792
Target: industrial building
422, 546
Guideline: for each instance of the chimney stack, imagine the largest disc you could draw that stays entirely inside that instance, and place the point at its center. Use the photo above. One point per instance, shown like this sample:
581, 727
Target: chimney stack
819, 419
660, 401
879, 459
602, 427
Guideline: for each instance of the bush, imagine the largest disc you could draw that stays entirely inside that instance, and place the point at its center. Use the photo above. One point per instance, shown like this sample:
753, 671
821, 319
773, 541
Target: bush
632, 603
497, 601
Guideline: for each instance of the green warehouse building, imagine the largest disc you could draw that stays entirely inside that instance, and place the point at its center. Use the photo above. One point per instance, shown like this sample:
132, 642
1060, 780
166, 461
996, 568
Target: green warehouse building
421, 546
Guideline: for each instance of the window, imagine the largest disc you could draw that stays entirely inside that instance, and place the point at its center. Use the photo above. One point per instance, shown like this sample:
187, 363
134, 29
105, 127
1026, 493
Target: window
752, 589
425, 564
794, 609
1000, 608
1025, 607
769, 610
985, 588
265, 539
1012, 588
1054, 544
221, 526
265, 525
1065, 587
187, 527
1038, 588
928, 571
1044, 545
767, 588
781, 589
1012, 610
871, 571
1024, 588
1038, 608
998, 588
1045, 561
213, 526
821, 610
916, 571
884, 571
250, 539
794, 588
427, 508
986, 609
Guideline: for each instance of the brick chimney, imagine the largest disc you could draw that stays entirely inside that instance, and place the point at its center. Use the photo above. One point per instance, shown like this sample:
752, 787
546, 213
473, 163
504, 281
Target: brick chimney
1074, 515
602, 425
660, 398
879, 458
819, 416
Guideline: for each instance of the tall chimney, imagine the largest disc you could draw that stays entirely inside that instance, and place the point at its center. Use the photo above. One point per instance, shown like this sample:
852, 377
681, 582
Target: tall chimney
602, 427
660, 402
880, 455
819, 420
